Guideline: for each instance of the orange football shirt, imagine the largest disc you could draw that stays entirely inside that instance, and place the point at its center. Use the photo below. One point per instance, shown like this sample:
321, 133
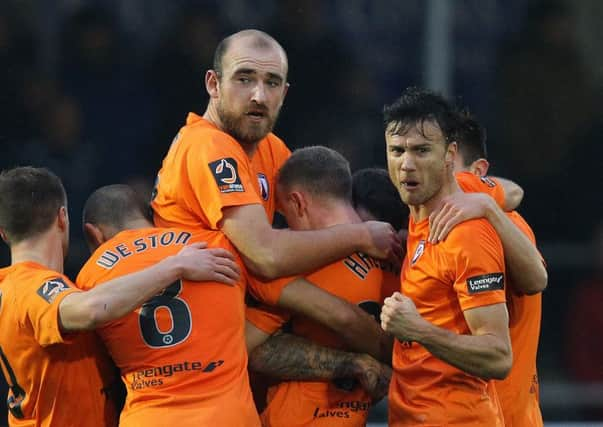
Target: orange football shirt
464, 271
182, 355
519, 392
471, 183
360, 280
57, 379
206, 170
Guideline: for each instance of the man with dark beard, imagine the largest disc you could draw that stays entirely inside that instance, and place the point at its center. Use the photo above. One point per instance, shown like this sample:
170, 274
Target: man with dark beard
219, 174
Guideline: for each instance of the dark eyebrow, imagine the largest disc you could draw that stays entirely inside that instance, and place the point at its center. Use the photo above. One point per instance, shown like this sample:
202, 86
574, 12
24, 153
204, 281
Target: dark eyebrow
251, 71
245, 71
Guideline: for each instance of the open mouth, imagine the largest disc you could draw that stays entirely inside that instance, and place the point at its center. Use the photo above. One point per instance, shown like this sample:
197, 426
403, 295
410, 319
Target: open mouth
256, 114
410, 185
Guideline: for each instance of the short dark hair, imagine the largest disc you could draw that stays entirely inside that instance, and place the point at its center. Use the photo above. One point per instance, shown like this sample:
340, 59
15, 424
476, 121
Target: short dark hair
319, 170
114, 205
417, 106
30, 199
373, 190
260, 39
471, 138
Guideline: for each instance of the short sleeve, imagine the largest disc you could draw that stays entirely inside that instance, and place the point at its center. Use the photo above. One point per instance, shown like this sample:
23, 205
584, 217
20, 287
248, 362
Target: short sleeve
477, 264
471, 183
268, 292
220, 176
42, 300
266, 318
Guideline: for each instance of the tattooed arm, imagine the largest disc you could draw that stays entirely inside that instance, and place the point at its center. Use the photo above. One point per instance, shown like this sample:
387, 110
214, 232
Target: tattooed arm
289, 357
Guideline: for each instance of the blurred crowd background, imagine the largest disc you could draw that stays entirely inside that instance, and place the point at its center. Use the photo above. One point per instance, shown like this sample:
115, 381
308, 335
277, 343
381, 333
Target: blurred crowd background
96, 90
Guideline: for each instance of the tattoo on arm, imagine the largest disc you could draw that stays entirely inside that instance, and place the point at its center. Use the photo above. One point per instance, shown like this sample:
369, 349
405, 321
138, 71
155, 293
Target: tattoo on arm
289, 357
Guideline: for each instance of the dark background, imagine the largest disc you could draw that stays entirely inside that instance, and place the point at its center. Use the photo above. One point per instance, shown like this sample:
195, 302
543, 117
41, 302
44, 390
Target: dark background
96, 90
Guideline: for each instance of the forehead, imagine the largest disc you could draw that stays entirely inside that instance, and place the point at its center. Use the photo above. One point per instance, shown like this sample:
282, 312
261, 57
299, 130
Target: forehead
262, 57
426, 132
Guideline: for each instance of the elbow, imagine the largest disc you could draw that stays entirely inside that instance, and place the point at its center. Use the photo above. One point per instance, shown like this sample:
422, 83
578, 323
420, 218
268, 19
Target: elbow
264, 267
538, 283
501, 367
516, 196
541, 283
263, 262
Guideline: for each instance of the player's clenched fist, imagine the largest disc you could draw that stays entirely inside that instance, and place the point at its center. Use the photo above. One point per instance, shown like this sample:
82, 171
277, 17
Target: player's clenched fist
400, 317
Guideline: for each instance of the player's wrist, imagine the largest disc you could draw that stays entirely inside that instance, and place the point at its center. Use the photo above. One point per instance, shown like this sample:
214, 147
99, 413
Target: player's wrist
171, 268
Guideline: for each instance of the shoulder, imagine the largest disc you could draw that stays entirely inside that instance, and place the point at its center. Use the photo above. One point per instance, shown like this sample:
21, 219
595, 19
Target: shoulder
472, 236
276, 145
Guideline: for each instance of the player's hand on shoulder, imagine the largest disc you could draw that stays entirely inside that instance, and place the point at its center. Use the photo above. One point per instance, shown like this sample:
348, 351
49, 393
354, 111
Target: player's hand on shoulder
373, 376
214, 264
384, 242
454, 209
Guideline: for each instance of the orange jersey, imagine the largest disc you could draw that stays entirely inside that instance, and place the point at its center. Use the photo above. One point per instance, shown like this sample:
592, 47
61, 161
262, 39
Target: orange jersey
518, 393
464, 271
207, 170
56, 379
182, 355
471, 183
360, 280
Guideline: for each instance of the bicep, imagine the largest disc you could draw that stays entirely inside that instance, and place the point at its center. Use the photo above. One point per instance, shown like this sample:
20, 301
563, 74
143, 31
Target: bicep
248, 229
488, 320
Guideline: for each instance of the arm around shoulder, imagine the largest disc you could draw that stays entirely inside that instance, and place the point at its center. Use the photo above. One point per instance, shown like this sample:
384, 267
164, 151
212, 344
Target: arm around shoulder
270, 253
116, 298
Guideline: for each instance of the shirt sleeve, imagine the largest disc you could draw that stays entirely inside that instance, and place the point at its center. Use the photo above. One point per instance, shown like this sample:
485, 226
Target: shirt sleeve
268, 292
477, 264
471, 183
42, 301
220, 176
266, 318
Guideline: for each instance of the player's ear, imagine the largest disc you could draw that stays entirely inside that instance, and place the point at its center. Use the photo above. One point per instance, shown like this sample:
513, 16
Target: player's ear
451, 151
94, 236
3, 235
285, 91
212, 83
480, 167
299, 202
63, 218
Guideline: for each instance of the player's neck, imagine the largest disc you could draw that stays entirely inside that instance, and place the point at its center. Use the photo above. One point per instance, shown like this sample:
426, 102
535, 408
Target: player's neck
421, 212
46, 249
138, 223
334, 214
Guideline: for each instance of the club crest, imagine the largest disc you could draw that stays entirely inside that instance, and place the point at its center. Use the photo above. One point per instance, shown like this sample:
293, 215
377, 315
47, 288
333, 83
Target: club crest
264, 187
418, 252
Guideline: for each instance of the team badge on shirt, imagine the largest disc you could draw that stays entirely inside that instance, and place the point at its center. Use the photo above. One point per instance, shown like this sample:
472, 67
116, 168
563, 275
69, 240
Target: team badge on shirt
418, 252
488, 181
264, 188
50, 289
486, 282
226, 174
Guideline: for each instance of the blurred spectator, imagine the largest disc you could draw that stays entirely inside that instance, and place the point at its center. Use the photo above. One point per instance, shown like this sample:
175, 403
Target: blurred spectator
583, 343
97, 70
177, 76
318, 63
17, 55
62, 148
546, 98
